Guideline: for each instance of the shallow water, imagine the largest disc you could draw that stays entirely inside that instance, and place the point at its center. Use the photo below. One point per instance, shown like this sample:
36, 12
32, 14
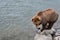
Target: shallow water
15, 17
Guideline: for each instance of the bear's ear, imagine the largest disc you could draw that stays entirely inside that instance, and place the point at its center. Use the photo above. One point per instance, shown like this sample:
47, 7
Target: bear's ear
39, 13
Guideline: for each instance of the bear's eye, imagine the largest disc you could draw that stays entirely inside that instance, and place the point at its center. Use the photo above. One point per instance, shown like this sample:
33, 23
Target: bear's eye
37, 20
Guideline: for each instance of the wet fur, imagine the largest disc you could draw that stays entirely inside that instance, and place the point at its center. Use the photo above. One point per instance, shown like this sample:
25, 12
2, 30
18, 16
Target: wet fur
45, 17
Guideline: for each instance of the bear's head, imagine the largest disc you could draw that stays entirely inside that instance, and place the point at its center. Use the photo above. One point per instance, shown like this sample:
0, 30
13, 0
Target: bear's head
37, 20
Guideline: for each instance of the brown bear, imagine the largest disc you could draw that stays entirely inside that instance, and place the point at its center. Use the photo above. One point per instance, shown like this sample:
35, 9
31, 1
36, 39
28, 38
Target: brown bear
48, 16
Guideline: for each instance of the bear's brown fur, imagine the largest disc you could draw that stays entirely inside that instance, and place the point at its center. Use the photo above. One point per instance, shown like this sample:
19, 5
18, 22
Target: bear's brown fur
45, 17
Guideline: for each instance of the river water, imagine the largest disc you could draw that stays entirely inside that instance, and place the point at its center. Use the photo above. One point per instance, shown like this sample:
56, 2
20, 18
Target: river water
16, 15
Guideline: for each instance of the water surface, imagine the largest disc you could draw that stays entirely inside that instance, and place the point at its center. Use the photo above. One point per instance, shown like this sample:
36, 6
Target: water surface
15, 17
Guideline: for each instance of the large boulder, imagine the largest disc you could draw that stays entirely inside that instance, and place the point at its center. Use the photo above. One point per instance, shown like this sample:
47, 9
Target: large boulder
46, 35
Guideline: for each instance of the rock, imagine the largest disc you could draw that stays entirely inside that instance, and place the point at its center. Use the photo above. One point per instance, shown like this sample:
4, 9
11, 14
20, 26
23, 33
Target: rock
42, 37
46, 35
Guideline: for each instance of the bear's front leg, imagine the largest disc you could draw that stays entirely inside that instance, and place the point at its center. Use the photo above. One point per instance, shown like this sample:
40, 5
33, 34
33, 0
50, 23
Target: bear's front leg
50, 25
43, 27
